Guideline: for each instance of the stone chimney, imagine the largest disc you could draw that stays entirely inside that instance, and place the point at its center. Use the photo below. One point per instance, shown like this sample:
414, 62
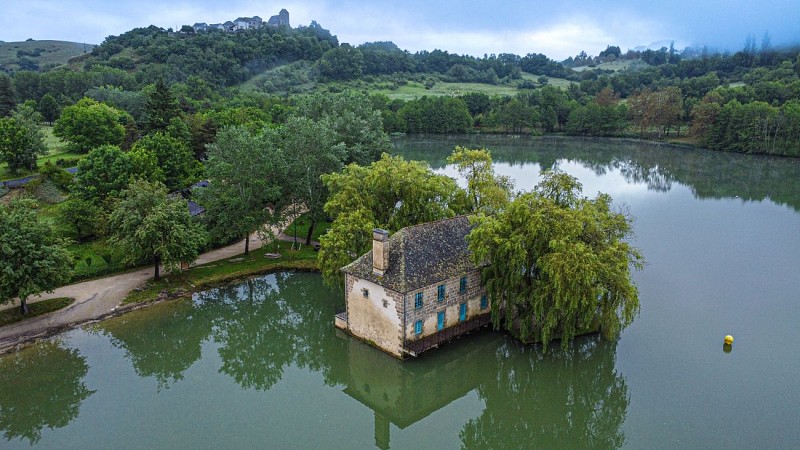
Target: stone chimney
380, 251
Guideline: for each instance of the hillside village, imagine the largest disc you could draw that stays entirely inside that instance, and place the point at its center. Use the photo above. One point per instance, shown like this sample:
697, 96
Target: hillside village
246, 23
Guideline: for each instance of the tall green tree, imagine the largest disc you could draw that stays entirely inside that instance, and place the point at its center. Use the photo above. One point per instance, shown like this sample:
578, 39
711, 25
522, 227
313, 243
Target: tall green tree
7, 98
149, 224
89, 124
103, 175
15, 145
311, 151
32, 259
390, 193
355, 122
21, 139
173, 157
81, 214
559, 263
247, 174
486, 190
48, 107
161, 107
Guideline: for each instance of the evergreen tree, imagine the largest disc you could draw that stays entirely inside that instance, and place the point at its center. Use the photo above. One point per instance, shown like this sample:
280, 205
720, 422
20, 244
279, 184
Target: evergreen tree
161, 108
7, 101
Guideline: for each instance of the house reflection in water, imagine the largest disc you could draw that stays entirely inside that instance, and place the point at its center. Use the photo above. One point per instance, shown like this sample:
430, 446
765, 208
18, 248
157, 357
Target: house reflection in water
403, 393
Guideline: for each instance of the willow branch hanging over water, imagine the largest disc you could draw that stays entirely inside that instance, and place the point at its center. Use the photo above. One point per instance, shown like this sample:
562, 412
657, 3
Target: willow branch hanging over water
560, 263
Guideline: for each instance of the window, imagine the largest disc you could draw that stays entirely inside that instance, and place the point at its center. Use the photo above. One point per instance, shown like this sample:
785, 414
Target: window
484, 302
462, 312
440, 292
418, 327
418, 300
462, 287
440, 320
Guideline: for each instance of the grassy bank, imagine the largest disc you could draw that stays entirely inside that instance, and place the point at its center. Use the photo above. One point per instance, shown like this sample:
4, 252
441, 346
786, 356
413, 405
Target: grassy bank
13, 315
223, 271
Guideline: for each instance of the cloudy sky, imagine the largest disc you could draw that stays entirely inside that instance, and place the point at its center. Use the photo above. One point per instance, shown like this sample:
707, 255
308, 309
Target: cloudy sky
558, 28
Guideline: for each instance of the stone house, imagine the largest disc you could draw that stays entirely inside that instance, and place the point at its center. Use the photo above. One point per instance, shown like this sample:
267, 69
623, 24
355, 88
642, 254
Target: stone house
415, 290
279, 20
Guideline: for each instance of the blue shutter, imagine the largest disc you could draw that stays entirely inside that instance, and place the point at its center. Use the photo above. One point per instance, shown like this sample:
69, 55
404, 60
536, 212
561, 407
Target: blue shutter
462, 311
418, 327
440, 292
440, 320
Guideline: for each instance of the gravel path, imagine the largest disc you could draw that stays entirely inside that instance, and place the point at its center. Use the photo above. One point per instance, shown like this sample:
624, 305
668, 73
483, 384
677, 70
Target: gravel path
96, 299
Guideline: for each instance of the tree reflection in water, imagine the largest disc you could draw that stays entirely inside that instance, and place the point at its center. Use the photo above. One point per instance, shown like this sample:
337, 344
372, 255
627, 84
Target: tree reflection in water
557, 399
261, 329
709, 174
162, 342
267, 324
41, 386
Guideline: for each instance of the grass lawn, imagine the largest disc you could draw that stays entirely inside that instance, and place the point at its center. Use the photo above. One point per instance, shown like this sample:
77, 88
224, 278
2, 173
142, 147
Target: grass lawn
218, 272
12, 315
303, 223
561, 83
90, 260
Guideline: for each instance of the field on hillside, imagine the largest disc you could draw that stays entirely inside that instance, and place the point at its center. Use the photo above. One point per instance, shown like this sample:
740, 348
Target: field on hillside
56, 150
414, 90
616, 66
32, 55
561, 83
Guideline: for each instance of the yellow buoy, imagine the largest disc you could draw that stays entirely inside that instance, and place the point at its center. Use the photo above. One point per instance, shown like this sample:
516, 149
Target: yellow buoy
729, 339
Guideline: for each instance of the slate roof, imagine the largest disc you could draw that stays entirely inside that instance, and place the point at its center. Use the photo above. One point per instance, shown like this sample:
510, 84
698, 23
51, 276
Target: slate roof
195, 209
420, 256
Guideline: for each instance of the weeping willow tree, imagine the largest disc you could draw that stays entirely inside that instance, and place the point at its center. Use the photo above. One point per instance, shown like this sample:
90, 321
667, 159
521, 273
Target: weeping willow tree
390, 193
559, 263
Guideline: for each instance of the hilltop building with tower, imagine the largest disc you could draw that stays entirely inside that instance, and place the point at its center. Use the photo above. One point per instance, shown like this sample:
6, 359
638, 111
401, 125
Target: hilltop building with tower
246, 23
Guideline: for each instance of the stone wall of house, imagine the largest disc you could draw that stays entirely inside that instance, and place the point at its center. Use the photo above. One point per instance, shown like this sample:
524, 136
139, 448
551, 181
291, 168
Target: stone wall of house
374, 314
428, 314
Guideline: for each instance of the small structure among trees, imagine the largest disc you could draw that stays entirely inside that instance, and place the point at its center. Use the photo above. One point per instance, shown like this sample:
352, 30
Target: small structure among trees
554, 263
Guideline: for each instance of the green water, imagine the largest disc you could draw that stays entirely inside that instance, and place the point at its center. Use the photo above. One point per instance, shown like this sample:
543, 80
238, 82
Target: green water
260, 365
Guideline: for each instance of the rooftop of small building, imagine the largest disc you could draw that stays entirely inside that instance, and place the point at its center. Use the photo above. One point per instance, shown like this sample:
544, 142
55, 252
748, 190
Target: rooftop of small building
420, 255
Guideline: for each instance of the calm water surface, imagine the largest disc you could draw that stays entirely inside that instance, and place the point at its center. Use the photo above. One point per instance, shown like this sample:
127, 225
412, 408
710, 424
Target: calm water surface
260, 364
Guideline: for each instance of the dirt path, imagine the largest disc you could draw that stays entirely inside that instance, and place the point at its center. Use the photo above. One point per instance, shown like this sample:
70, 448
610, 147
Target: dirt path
95, 299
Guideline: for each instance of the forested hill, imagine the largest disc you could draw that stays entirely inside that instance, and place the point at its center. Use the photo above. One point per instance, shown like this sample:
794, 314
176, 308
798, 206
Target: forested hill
220, 58
227, 59
747, 102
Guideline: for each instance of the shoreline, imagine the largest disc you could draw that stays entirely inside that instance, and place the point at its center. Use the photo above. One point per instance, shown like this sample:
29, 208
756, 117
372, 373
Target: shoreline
13, 343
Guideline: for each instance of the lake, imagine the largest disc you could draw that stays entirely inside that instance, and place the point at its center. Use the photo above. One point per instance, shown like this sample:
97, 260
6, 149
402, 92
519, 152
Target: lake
259, 364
